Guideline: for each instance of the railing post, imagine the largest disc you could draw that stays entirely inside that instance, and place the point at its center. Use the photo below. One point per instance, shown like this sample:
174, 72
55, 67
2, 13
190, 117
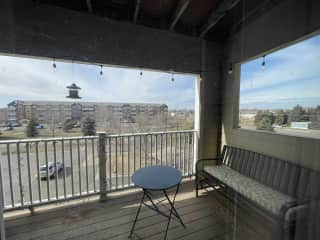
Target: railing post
102, 165
2, 227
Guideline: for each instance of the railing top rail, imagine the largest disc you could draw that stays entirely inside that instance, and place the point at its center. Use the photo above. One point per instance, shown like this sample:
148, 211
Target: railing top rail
150, 133
33, 140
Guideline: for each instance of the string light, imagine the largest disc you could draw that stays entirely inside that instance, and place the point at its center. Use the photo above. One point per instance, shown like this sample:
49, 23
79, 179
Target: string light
230, 70
172, 76
141, 72
54, 63
101, 72
263, 64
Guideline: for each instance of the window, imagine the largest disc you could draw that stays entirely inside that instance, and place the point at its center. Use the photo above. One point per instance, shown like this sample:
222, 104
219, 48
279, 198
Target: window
280, 92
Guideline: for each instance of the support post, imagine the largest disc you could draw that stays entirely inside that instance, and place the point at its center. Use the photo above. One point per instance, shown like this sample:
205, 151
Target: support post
102, 165
2, 227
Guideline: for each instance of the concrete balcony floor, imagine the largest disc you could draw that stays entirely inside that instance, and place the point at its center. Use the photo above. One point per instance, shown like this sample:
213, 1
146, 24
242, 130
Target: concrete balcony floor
205, 218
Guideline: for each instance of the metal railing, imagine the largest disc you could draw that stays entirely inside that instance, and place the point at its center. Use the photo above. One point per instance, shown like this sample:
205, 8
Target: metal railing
90, 165
21, 161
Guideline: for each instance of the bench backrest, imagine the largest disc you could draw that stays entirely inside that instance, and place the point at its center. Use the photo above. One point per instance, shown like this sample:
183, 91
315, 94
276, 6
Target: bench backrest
284, 176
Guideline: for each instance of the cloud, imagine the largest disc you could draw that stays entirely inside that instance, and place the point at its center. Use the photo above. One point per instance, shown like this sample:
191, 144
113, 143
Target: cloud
290, 73
34, 79
298, 62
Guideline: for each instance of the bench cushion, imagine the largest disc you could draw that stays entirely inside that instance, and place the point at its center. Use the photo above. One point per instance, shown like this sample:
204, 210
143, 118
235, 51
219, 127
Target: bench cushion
264, 196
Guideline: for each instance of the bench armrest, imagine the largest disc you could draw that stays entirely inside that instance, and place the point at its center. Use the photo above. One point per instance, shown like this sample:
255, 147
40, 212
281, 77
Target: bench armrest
298, 211
294, 211
203, 160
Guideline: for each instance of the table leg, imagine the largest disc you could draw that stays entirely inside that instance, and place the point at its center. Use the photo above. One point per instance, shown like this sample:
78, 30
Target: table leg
172, 209
138, 212
152, 202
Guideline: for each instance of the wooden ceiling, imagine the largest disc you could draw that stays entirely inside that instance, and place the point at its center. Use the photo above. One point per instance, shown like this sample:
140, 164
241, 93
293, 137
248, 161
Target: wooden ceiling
210, 19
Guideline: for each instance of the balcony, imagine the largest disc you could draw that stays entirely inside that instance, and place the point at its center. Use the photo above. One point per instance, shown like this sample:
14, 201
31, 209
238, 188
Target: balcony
206, 217
68, 205
88, 165
92, 197
91, 166
91, 219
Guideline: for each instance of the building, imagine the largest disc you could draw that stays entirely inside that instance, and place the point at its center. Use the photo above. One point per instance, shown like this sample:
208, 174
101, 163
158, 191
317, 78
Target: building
300, 125
60, 111
3, 116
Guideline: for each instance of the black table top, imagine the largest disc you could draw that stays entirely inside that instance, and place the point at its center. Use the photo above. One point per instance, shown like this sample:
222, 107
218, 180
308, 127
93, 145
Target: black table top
156, 177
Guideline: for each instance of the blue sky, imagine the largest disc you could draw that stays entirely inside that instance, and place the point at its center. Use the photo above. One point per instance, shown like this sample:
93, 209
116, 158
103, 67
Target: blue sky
291, 76
35, 79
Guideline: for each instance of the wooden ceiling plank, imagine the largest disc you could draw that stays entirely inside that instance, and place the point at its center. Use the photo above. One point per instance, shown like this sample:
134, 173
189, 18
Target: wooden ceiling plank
181, 7
136, 11
217, 15
89, 5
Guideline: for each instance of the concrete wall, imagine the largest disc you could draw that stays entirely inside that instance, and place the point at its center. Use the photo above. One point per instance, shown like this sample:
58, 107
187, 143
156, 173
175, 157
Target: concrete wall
287, 22
210, 99
42, 30
31, 29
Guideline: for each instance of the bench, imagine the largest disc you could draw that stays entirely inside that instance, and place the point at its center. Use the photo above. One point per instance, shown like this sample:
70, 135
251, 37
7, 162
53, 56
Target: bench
277, 189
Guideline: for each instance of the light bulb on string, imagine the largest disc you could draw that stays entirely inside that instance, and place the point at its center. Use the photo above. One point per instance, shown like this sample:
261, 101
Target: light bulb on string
101, 71
172, 77
263, 64
230, 70
141, 72
54, 63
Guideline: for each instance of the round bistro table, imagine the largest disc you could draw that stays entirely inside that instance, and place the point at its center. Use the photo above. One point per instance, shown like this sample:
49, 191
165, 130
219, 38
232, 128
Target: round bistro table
157, 178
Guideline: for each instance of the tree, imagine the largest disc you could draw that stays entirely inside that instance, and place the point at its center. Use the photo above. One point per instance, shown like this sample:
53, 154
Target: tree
31, 129
298, 114
264, 120
281, 118
88, 127
265, 124
53, 122
67, 125
258, 117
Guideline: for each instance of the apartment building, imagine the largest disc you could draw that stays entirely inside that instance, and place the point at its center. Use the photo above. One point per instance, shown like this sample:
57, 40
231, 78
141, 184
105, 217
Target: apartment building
3, 116
60, 111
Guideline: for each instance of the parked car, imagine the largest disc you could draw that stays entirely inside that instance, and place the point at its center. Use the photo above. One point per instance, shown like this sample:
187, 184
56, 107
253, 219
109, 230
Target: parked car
39, 126
52, 170
7, 128
77, 125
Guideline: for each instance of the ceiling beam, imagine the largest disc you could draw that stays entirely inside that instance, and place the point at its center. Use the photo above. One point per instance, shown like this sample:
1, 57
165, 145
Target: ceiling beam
217, 14
136, 11
253, 13
89, 5
181, 7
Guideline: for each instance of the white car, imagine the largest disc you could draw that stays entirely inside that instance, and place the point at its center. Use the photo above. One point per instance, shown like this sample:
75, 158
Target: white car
52, 170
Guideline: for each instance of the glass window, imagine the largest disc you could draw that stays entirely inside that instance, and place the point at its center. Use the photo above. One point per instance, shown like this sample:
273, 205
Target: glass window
280, 92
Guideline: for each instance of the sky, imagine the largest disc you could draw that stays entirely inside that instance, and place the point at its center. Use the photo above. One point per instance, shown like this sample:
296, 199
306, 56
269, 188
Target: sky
36, 79
291, 76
